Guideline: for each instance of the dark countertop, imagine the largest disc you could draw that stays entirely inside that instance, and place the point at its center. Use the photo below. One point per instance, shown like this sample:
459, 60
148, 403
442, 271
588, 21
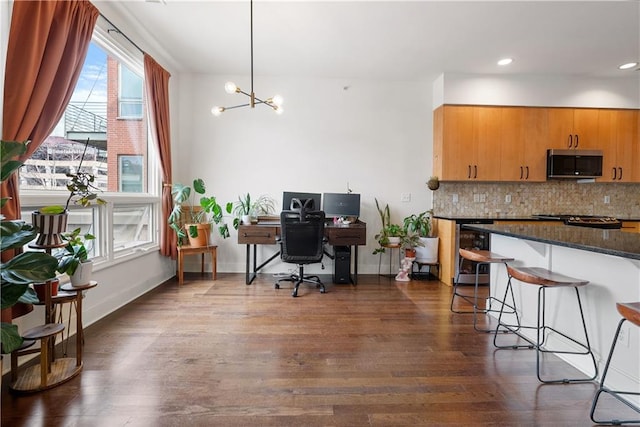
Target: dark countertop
610, 242
488, 219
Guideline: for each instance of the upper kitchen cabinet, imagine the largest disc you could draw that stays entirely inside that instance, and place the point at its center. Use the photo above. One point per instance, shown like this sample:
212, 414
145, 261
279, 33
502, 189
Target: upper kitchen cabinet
573, 128
466, 140
523, 148
618, 138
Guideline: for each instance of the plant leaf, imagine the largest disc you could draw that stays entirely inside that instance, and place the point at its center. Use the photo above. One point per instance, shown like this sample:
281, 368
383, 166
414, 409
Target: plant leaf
29, 267
11, 340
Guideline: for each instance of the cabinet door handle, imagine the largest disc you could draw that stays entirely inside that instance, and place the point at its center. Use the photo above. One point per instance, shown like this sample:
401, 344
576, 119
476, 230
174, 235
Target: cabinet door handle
468, 171
615, 174
570, 140
577, 142
521, 171
527, 176
620, 177
475, 171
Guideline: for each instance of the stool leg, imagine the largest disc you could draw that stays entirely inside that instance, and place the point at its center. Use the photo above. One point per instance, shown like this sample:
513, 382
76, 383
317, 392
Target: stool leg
542, 327
456, 294
510, 328
614, 393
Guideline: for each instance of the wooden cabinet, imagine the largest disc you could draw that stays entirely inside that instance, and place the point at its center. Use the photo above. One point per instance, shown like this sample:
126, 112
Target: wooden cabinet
573, 128
618, 135
465, 142
523, 144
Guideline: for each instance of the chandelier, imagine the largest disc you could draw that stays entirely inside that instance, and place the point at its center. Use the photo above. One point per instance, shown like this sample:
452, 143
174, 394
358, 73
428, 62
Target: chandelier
274, 102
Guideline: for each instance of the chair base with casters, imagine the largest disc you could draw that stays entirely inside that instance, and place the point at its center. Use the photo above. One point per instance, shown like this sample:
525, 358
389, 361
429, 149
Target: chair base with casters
630, 312
480, 257
302, 242
545, 279
299, 278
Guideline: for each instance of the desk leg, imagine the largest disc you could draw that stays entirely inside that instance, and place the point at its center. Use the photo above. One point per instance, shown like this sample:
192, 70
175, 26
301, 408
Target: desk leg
355, 266
180, 268
247, 279
214, 262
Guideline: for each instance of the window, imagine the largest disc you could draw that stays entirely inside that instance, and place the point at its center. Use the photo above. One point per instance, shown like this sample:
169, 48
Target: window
130, 173
109, 89
130, 94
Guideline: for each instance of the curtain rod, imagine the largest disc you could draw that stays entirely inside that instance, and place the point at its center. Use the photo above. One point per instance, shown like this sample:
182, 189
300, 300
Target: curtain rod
116, 29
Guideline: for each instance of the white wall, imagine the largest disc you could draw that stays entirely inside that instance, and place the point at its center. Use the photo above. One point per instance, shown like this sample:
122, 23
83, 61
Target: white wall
536, 90
374, 135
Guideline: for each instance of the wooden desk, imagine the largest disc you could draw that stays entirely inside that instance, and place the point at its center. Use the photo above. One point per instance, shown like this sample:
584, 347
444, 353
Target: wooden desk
190, 250
266, 231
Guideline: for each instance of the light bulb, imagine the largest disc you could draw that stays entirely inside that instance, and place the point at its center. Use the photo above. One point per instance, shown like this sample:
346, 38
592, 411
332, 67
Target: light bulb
279, 110
230, 87
505, 61
628, 65
216, 111
277, 100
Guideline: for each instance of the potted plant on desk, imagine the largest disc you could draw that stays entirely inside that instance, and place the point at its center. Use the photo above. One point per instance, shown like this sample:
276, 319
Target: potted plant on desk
247, 211
23, 269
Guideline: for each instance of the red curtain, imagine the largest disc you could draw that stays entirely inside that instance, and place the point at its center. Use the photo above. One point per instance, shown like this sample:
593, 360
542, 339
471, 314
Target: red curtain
157, 87
48, 42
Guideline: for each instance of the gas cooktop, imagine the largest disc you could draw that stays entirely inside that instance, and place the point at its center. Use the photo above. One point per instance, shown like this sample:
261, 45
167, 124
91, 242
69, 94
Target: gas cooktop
593, 221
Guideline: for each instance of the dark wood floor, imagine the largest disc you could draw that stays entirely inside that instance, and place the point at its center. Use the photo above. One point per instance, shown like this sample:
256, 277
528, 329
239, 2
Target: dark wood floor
221, 353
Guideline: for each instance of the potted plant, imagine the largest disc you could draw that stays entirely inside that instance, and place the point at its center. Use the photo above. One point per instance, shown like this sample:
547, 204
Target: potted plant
433, 183
246, 210
191, 220
74, 258
420, 224
51, 221
409, 242
390, 234
26, 268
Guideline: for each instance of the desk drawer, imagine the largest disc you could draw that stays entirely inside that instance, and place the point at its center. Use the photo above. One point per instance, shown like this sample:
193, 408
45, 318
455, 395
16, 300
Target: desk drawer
257, 235
346, 236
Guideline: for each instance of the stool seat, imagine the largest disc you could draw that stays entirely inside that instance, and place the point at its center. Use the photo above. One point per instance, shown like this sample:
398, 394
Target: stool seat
43, 331
630, 311
544, 277
483, 256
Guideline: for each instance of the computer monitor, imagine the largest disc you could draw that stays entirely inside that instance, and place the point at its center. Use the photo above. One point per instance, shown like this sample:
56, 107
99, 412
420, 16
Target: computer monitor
341, 204
311, 201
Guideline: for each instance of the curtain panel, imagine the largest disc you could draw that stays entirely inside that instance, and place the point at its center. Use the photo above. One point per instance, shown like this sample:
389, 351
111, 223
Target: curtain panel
48, 42
157, 87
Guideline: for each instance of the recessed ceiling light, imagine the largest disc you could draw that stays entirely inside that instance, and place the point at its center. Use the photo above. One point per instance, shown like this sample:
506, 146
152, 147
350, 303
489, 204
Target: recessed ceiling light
505, 61
628, 65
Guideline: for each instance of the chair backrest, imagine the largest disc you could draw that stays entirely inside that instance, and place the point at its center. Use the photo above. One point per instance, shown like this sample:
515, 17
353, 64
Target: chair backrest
302, 236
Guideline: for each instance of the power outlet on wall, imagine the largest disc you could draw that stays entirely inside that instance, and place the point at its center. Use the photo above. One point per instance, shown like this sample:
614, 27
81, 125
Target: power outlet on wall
454, 199
607, 199
507, 198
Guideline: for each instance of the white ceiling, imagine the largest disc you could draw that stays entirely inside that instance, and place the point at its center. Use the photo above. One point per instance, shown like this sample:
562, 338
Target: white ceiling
390, 40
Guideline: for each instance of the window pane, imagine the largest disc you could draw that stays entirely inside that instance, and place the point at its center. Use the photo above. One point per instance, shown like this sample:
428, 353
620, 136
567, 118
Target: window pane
131, 173
130, 95
131, 226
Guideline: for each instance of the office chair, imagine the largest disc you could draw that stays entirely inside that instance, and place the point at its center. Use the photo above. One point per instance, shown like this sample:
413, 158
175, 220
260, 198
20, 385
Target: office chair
302, 242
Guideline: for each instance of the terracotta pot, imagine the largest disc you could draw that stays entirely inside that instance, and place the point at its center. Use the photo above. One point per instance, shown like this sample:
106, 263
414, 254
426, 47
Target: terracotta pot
410, 253
40, 287
202, 239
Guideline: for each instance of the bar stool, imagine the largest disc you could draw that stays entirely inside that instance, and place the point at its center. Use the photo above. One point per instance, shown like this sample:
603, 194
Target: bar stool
545, 279
630, 312
480, 257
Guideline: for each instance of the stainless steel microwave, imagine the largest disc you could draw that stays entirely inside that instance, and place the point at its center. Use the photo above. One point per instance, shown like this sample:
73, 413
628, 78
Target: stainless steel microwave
574, 163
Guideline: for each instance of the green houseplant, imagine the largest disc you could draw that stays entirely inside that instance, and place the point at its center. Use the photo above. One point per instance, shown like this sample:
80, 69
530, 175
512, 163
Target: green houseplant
74, 258
246, 209
421, 225
25, 268
389, 233
52, 220
187, 217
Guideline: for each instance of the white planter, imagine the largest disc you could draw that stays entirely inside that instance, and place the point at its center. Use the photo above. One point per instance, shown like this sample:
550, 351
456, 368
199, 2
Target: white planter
82, 275
246, 219
428, 253
394, 240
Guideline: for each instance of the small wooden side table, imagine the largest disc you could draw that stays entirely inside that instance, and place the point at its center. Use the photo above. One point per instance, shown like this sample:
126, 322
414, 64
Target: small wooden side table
190, 250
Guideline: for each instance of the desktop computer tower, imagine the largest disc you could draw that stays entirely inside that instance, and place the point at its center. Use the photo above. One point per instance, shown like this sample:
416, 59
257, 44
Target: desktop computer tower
342, 264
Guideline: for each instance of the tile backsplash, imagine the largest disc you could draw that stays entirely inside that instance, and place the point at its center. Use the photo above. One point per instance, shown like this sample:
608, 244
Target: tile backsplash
552, 197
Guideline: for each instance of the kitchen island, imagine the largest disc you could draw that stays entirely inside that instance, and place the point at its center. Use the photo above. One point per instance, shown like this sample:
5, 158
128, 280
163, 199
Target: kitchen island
608, 259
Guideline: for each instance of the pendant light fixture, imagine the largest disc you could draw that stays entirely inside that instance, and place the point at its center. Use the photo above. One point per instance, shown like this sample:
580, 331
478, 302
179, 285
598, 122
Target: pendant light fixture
274, 102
